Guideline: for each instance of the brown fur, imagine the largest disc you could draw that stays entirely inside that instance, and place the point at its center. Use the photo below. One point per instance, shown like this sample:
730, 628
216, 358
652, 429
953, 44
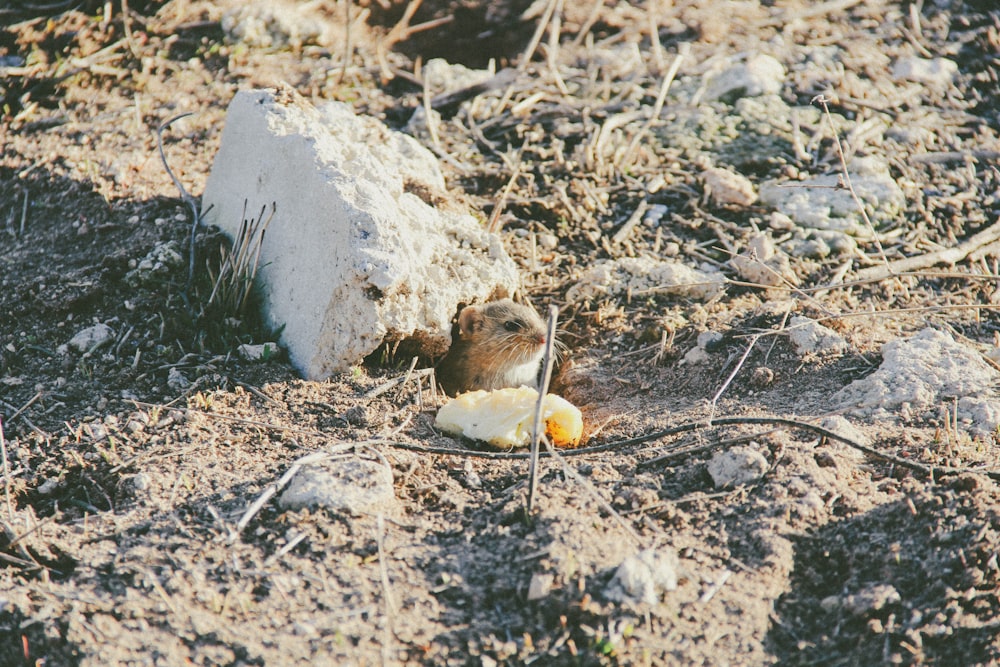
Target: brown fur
498, 344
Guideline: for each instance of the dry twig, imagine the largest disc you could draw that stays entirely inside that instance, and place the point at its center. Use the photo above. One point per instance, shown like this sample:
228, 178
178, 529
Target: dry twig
823, 101
185, 195
6, 474
537, 433
945, 256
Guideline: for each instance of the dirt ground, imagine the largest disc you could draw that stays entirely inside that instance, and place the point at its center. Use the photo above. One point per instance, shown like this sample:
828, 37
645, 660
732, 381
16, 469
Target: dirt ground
128, 467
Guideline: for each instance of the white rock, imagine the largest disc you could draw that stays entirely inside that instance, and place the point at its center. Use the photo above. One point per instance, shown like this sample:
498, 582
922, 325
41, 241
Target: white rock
356, 486
819, 243
50, 486
96, 430
763, 264
819, 203
621, 60
842, 426
865, 601
739, 465
442, 76
725, 187
646, 275
540, 585
923, 373
176, 380
353, 257
982, 413
142, 481
259, 352
547, 241
91, 338
811, 337
645, 577
272, 23
699, 352
994, 354
158, 263
937, 72
760, 75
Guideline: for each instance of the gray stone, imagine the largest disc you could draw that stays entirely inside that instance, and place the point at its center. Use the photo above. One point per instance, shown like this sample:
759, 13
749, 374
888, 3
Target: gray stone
819, 203
351, 485
760, 75
936, 72
739, 465
811, 337
91, 338
354, 255
921, 374
645, 577
644, 275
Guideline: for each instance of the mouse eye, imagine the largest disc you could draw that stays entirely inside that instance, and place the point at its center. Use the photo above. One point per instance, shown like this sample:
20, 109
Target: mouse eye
513, 325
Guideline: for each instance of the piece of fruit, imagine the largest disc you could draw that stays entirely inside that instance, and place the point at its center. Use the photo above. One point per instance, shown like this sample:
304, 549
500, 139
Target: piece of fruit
503, 418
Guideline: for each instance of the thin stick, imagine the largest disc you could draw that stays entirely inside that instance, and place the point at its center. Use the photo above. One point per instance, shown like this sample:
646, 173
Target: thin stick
536, 427
701, 424
631, 223
493, 224
595, 13
20, 411
823, 101
127, 25
6, 474
401, 379
715, 587
537, 37
652, 9
348, 46
661, 99
185, 195
24, 213
552, 54
292, 543
739, 365
429, 118
944, 256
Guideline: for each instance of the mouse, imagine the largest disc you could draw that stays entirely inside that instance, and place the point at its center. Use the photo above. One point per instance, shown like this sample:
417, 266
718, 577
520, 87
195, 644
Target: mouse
498, 344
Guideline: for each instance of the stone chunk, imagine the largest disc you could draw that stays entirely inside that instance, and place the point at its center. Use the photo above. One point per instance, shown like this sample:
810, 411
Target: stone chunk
739, 465
761, 74
354, 255
938, 72
645, 577
647, 276
350, 485
811, 337
92, 338
923, 373
728, 188
764, 264
821, 202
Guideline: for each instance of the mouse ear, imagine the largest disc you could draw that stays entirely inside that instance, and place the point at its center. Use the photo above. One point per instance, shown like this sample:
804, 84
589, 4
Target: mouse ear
470, 320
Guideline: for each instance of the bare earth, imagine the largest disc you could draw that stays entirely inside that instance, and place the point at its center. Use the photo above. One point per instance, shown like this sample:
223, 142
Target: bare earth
128, 467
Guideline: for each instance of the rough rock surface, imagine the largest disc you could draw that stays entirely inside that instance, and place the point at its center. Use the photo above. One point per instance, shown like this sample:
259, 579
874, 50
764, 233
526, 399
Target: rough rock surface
352, 485
353, 256
642, 274
739, 465
921, 374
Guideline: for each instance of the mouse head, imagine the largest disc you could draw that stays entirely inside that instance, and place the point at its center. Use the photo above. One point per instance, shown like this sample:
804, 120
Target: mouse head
504, 318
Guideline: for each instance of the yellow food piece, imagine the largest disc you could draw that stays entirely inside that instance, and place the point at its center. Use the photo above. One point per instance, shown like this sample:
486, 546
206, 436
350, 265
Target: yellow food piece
504, 417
